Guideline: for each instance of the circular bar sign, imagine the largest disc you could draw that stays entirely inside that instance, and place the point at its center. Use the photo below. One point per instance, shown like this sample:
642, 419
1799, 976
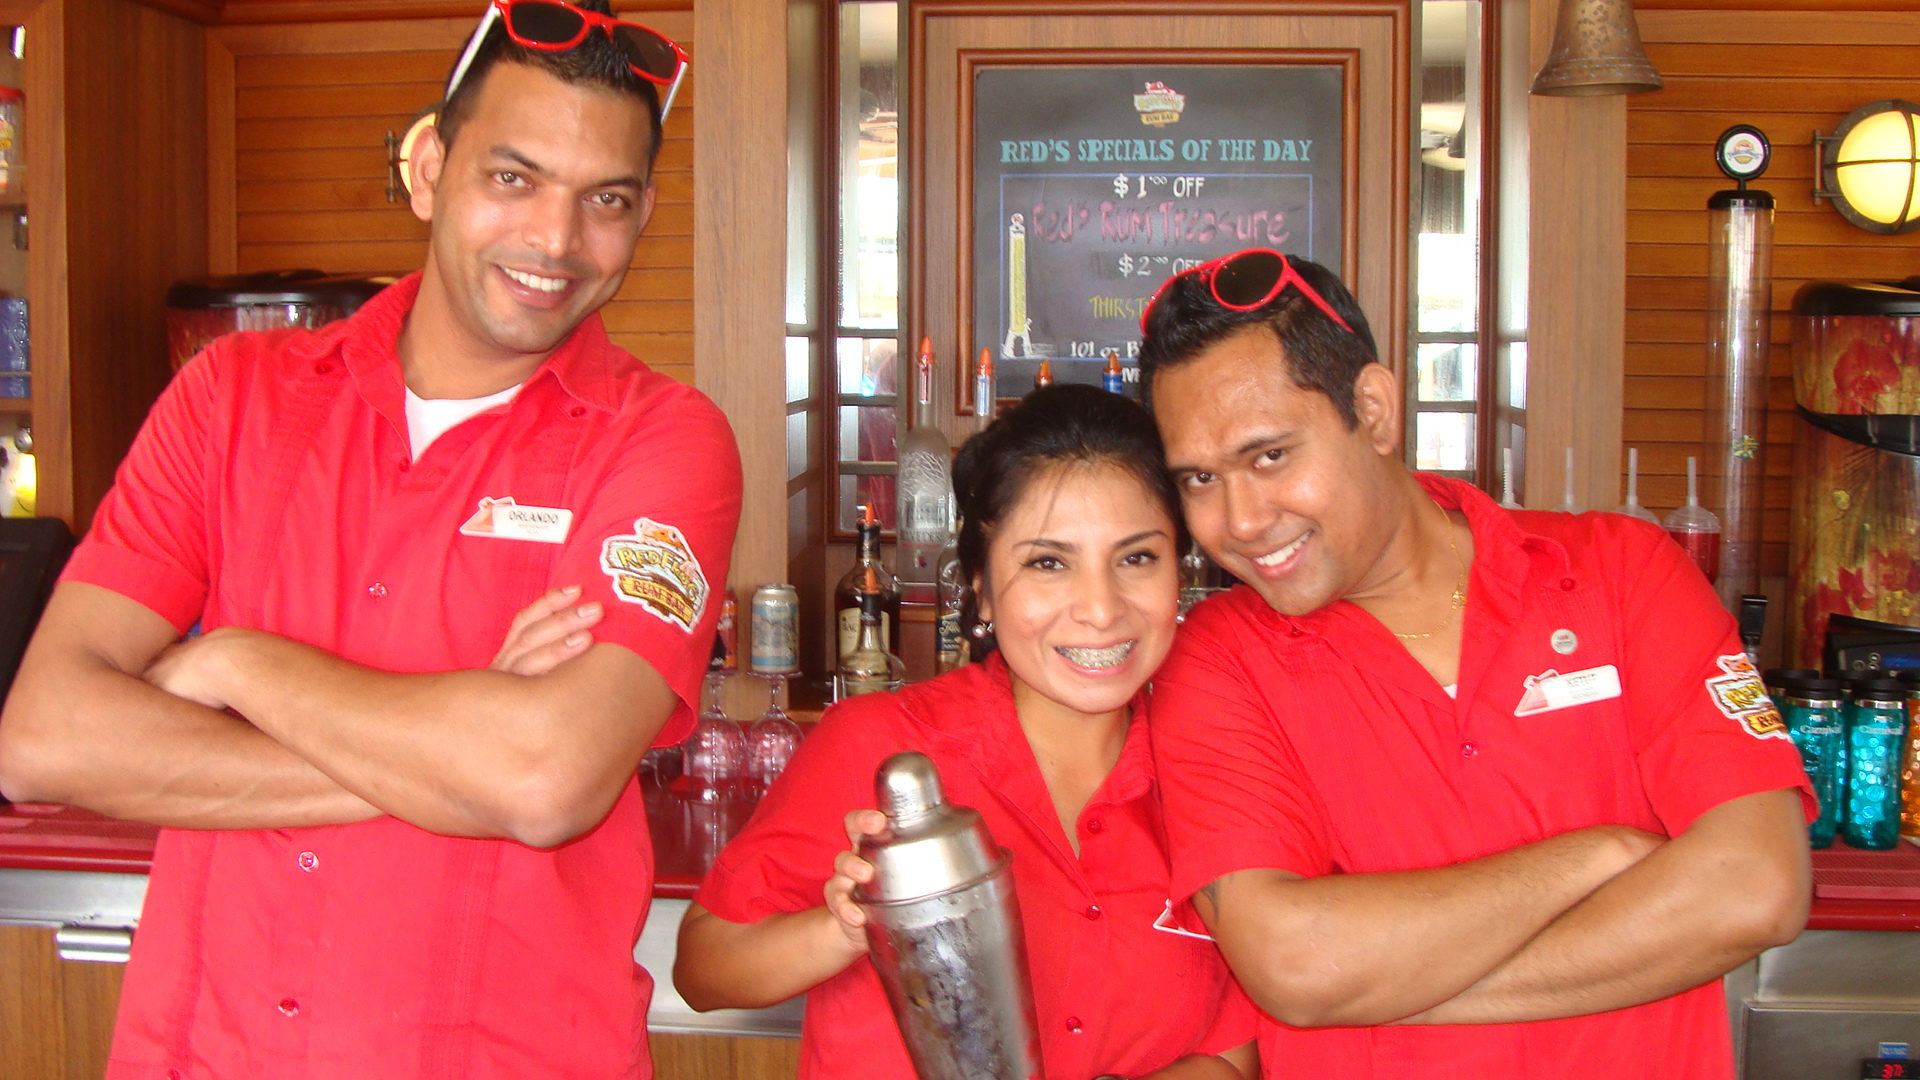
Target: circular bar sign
1742, 152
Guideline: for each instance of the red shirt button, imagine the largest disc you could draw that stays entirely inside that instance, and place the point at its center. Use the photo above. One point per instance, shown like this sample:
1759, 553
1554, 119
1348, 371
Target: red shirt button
403, 464
308, 861
289, 1007
1294, 631
1073, 1025
173, 1074
1468, 749
1096, 825
1092, 912
577, 411
1566, 584
377, 590
322, 369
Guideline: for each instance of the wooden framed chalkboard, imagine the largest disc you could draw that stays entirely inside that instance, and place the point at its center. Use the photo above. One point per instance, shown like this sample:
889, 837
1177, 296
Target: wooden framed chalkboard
954, 48
1093, 183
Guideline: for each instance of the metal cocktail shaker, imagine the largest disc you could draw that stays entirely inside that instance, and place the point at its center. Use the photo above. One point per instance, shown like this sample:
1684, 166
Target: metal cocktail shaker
943, 929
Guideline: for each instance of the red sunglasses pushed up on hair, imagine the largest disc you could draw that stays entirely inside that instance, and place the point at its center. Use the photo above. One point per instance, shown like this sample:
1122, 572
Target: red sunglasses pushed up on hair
553, 26
1247, 280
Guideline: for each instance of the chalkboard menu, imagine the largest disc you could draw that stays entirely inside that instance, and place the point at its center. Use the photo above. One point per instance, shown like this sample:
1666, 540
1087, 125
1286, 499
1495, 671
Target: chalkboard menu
1093, 184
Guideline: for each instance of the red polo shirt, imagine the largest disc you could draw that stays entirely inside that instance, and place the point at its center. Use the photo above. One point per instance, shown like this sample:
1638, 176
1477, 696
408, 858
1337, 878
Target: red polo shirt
1318, 745
1112, 994
272, 487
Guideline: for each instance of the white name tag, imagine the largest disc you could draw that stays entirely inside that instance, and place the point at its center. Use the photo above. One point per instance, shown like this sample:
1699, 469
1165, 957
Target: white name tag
503, 519
1551, 690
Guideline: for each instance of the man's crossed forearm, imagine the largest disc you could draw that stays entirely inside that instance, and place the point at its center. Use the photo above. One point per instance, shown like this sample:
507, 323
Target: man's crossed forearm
1587, 921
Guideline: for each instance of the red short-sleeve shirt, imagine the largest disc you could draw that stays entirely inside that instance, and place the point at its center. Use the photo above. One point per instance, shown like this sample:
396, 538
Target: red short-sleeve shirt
1112, 993
1318, 745
272, 487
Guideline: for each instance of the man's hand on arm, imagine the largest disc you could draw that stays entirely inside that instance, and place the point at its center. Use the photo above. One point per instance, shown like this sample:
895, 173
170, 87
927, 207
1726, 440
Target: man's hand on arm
536, 758
1359, 949
1735, 883
82, 727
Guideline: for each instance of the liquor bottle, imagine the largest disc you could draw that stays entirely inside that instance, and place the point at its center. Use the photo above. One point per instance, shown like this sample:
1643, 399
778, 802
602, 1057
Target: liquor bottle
1044, 377
1111, 380
983, 400
846, 595
925, 511
949, 644
870, 666
1695, 528
1632, 507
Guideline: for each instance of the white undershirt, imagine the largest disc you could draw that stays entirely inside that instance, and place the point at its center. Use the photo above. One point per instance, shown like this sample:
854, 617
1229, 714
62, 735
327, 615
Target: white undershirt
1452, 689
428, 419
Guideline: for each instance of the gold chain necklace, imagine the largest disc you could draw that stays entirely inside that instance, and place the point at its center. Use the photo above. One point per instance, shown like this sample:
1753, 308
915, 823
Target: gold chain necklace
1459, 584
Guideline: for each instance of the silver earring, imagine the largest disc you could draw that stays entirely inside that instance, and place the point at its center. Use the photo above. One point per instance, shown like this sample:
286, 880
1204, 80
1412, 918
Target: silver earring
1180, 618
982, 629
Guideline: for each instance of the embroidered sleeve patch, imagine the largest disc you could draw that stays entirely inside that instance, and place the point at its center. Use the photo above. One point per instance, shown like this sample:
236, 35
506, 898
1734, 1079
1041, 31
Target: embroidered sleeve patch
655, 568
1742, 697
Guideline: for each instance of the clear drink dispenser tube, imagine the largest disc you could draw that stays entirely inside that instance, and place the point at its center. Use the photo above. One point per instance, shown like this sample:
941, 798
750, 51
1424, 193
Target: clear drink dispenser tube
1740, 292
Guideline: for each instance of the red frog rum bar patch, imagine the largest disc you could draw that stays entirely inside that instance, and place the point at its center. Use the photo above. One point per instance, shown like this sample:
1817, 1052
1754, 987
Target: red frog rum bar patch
1741, 695
656, 569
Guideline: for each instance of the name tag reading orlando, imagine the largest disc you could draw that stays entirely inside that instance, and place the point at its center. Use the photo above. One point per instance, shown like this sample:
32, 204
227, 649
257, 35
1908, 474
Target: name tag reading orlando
503, 519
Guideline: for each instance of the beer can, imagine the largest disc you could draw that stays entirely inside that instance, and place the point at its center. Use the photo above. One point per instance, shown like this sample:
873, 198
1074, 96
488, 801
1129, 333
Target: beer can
776, 630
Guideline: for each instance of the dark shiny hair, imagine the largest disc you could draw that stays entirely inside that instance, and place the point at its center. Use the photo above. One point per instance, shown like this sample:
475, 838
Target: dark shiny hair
1056, 425
1320, 355
593, 62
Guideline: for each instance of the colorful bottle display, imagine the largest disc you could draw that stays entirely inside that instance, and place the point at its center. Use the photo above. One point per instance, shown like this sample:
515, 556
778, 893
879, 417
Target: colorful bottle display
846, 595
983, 399
1111, 380
1815, 711
1695, 528
1044, 377
1876, 741
715, 754
925, 508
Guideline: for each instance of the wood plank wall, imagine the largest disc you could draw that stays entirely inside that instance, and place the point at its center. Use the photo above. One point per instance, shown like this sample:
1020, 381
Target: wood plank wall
1790, 72
297, 113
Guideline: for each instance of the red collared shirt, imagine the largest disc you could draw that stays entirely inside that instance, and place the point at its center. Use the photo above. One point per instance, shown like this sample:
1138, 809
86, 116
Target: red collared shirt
1112, 993
273, 488
1318, 745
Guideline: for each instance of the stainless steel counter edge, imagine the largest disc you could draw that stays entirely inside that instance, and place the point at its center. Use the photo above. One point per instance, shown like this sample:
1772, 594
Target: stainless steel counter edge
80, 904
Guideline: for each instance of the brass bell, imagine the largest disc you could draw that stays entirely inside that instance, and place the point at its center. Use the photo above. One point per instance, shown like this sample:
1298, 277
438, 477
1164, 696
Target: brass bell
1596, 51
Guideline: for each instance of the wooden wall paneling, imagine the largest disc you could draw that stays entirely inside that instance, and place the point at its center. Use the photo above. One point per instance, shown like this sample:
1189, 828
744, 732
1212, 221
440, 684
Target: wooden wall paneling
740, 264
949, 39
46, 154
134, 93
1790, 68
223, 213
310, 105
719, 1057
56, 1016
1576, 288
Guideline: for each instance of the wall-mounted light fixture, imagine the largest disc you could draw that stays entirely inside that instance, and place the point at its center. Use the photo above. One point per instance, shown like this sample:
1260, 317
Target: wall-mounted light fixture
400, 153
1870, 167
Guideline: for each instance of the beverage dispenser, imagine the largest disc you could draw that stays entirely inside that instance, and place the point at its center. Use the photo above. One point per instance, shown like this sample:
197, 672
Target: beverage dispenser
1855, 525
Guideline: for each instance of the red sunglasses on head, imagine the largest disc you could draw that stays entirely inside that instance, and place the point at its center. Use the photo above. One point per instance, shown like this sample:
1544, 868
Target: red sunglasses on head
1247, 280
555, 27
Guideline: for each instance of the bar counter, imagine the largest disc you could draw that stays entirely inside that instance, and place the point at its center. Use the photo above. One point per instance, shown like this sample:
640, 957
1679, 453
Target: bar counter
84, 876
